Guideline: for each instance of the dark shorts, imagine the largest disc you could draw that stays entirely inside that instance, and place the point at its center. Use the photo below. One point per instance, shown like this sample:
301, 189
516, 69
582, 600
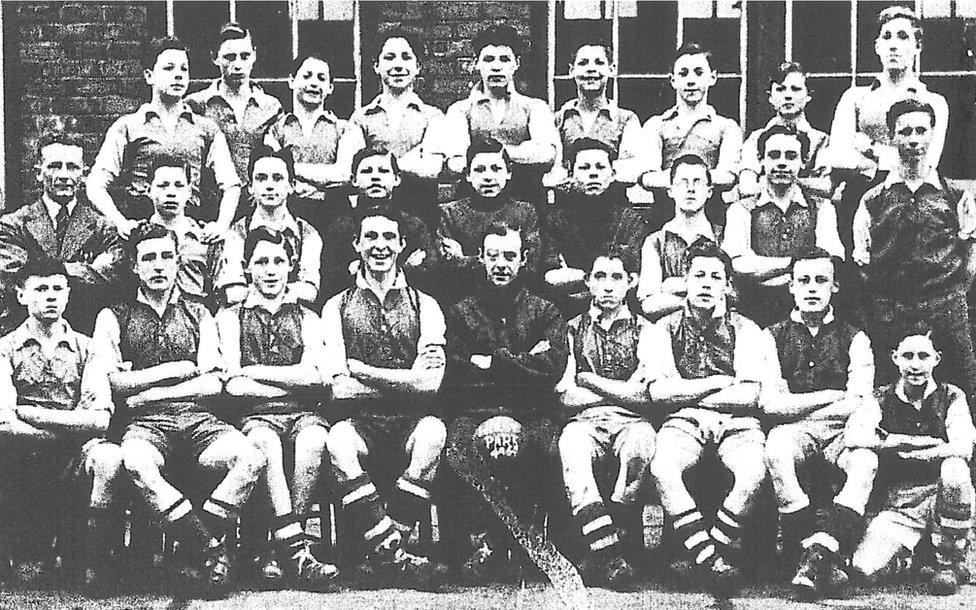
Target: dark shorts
386, 438
285, 425
185, 434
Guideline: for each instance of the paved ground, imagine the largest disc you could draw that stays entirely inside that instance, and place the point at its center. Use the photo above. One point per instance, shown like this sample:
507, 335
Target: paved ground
483, 598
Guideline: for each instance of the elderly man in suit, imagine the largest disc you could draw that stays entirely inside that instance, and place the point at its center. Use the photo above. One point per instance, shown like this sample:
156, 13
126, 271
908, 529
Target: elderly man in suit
64, 227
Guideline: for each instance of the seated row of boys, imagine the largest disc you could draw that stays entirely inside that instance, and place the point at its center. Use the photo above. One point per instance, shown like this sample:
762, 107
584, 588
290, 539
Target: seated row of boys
382, 347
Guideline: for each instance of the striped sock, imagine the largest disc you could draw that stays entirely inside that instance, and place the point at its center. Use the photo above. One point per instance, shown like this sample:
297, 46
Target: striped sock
689, 528
185, 524
727, 532
949, 538
410, 503
601, 535
362, 501
219, 516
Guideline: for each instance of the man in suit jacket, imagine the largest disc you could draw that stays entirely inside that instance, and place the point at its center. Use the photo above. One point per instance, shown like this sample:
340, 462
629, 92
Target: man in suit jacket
62, 227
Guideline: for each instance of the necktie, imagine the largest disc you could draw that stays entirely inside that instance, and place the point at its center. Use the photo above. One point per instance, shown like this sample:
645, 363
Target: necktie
61, 223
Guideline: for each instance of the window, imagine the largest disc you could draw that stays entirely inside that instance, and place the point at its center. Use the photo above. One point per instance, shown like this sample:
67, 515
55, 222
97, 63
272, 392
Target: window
283, 30
644, 36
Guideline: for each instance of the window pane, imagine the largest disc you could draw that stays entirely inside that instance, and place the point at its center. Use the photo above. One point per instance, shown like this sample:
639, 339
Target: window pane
196, 24
720, 36
332, 40
867, 32
724, 96
646, 97
270, 28
944, 45
959, 151
565, 91
822, 36
648, 41
570, 33
826, 93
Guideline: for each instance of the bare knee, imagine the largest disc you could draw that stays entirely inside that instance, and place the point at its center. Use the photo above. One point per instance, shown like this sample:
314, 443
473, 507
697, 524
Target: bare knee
250, 461
430, 434
266, 440
140, 463
313, 439
780, 452
574, 440
666, 469
955, 477
105, 463
343, 445
861, 461
749, 472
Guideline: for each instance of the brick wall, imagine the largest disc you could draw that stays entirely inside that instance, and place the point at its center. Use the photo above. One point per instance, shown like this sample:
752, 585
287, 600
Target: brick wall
448, 29
75, 63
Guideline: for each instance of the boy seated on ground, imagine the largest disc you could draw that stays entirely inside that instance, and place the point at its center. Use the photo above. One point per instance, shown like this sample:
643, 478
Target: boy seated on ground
54, 409
272, 181
825, 369
923, 434
272, 350
605, 390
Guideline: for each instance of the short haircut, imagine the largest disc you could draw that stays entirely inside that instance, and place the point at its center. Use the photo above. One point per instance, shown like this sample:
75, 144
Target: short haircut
232, 30
815, 254
366, 153
907, 106
263, 151
692, 48
783, 130
40, 265
783, 70
383, 210
296, 65
415, 42
916, 328
502, 228
152, 49
690, 159
59, 137
489, 145
614, 252
498, 35
259, 234
706, 248
595, 42
901, 12
167, 160
145, 231
589, 144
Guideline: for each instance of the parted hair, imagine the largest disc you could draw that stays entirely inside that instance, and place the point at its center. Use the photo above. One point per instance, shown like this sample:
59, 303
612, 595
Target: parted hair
706, 248
260, 234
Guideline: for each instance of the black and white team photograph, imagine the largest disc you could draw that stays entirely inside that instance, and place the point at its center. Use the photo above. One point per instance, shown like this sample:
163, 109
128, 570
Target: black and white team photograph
487, 304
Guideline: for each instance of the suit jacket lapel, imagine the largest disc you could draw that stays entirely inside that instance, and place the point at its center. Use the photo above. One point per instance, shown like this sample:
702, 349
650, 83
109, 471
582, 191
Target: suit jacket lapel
41, 227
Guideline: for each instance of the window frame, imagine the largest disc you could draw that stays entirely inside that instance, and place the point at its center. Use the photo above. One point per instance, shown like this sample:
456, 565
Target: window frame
614, 18
356, 79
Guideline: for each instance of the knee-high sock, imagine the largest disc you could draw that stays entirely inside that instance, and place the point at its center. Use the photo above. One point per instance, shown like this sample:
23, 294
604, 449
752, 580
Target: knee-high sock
727, 532
689, 529
183, 522
362, 501
410, 503
602, 536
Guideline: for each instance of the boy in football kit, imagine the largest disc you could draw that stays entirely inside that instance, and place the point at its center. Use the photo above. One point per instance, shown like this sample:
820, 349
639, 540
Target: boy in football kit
119, 179
54, 407
495, 110
661, 287
923, 434
162, 356
604, 387
915, 241
691, 126
384, 357
506, 351
272, 181
272, 350
376, 178
706, 366
463, 222
169, 191
825, 368
590, 218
